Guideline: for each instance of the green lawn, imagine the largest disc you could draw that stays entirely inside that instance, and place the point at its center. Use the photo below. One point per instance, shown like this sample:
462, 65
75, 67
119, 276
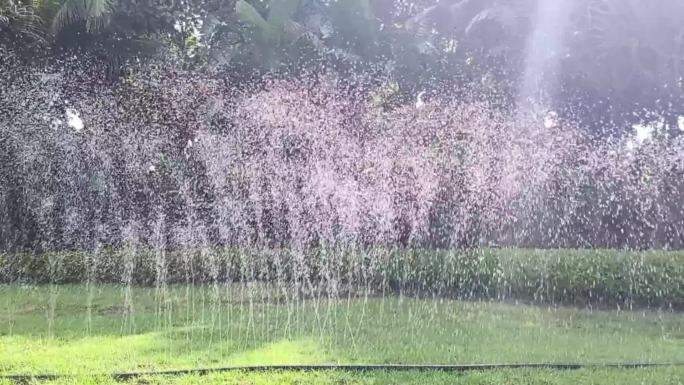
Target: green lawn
79, 330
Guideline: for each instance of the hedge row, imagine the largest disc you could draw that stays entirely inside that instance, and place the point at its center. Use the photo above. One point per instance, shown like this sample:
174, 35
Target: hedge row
601, 277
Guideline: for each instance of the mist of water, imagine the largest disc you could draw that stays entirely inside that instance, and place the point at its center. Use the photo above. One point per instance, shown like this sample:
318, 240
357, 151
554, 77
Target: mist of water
302, 198
545, 50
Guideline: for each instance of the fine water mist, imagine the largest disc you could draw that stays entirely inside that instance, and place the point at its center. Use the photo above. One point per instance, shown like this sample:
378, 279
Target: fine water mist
175, 214
545, 50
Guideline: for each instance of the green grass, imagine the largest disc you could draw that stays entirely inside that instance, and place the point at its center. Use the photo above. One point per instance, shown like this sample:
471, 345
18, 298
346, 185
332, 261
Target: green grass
80, 331
666, 376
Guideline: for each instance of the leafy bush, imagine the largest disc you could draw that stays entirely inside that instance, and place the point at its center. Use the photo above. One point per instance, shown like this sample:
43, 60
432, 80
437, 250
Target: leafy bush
578, 277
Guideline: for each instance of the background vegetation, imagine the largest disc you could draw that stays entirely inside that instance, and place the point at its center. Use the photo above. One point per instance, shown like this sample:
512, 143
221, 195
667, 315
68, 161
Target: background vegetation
570, 277
622, 65
624, 60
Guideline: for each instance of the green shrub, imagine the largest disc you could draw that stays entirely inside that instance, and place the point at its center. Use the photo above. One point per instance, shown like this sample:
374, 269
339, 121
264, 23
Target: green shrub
586, 277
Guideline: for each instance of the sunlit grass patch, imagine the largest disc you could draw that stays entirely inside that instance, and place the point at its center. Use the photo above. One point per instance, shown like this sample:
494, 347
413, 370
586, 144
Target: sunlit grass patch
58, 330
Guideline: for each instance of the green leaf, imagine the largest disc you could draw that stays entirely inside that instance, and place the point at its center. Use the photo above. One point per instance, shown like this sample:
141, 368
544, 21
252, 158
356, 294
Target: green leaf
280, 11
248, 14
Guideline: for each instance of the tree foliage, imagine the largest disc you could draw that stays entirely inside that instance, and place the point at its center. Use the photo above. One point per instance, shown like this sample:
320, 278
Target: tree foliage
626, 54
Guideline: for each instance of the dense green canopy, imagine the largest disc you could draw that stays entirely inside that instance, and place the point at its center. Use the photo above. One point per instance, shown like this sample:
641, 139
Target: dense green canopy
626, 54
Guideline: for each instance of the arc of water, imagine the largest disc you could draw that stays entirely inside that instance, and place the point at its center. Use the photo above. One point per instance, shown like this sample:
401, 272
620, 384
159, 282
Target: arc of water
544, 49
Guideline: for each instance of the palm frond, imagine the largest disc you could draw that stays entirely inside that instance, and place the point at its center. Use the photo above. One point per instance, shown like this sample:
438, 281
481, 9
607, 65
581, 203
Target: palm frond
98, 12
95, 14
36, 4
20, 20
71, 12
